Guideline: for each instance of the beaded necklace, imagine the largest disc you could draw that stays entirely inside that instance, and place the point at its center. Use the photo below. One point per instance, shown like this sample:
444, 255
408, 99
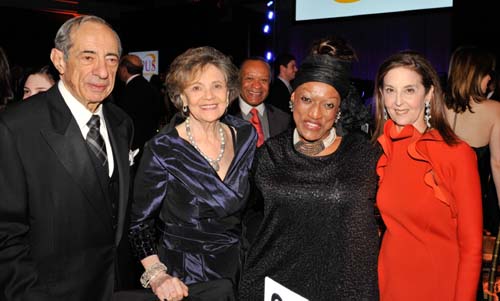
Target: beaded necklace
213, 162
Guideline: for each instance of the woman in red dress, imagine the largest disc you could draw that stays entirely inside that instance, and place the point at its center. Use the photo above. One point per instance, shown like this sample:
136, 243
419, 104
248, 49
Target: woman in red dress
429, 192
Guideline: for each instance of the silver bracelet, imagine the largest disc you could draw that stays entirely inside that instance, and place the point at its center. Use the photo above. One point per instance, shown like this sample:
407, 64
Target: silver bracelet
151, 272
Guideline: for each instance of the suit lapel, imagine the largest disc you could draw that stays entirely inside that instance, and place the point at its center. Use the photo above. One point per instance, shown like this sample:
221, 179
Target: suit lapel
65, 139
270, 115
234, 108
119, 142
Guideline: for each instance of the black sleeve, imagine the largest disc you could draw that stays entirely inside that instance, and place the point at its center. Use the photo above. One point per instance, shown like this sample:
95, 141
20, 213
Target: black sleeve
17, 271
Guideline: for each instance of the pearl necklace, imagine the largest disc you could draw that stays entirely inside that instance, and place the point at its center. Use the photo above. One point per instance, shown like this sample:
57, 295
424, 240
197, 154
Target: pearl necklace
213, 163
313, 148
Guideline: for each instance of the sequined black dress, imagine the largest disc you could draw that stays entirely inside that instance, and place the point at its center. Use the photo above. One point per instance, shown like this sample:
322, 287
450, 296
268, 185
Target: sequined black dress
319, 235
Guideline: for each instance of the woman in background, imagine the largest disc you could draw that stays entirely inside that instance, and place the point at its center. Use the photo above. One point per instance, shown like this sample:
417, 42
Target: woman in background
476, 120
429, 191
38, 80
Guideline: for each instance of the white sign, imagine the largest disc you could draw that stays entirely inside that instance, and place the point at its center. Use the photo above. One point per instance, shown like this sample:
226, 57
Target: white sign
150, 62
321, 9
273, 291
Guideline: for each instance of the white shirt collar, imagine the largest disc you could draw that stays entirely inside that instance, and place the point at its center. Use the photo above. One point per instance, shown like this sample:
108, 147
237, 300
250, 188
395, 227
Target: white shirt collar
245, 107
82, 116
80, 112
287, 84
131, 78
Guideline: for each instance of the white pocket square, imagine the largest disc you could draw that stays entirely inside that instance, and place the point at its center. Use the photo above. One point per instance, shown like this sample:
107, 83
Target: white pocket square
131, 156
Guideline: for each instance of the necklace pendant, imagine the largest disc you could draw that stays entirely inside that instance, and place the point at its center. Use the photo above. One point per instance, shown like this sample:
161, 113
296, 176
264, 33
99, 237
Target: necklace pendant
313, 148
215, 165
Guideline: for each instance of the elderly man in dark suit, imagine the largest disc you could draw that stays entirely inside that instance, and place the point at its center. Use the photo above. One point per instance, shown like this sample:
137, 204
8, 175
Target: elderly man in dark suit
64, 175
255, 77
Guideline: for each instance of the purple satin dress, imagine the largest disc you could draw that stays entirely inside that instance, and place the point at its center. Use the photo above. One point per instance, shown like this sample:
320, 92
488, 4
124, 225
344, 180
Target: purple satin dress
184, 212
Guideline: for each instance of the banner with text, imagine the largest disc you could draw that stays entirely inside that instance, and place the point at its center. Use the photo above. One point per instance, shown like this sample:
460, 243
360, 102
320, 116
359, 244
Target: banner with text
150, 62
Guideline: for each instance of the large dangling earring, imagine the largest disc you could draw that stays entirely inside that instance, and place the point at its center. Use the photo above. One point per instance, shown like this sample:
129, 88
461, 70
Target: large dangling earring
338, 116
384, 114
290, 105
427, 115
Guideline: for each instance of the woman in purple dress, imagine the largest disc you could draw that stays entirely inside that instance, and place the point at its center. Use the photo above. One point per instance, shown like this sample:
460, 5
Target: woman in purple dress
193, 183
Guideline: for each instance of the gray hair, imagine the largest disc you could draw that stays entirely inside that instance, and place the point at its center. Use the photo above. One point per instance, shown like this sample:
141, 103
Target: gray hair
63, 40
185, 67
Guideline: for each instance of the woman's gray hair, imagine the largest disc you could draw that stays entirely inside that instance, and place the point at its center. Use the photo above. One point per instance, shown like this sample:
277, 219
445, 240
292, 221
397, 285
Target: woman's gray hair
63, 40
185, 68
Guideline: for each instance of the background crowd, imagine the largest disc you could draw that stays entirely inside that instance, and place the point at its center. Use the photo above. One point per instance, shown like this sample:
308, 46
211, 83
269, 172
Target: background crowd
200, 185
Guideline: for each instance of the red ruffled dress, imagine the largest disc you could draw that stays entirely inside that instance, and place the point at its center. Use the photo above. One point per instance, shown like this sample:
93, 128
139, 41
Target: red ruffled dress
430, 200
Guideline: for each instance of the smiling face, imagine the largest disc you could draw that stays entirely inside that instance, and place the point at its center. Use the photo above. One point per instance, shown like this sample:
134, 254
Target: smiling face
315, 107
207, 95
404, 97
90, 68
255, 79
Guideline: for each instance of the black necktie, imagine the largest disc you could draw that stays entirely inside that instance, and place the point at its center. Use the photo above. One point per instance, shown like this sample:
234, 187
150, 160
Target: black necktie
95, 140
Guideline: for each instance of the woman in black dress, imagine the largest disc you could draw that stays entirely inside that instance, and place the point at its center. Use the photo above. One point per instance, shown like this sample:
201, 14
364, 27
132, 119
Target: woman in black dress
318, 236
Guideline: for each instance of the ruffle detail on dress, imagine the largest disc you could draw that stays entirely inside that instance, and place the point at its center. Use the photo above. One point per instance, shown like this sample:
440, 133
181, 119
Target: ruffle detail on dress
418, 150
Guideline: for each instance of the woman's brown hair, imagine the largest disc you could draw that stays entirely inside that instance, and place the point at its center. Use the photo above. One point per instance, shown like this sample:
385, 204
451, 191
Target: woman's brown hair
416, 62
468, 67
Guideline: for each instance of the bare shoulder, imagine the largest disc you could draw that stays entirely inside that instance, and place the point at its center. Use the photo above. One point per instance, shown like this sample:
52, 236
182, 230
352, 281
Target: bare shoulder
489, 110
491, 106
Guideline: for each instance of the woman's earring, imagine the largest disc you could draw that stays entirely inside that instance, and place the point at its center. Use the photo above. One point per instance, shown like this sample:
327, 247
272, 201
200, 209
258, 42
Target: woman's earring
384, 113
184, 105
427, 114
338, 116
290, 105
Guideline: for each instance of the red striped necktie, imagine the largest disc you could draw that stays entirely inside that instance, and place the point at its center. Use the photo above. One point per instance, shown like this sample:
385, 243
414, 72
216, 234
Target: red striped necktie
255, 120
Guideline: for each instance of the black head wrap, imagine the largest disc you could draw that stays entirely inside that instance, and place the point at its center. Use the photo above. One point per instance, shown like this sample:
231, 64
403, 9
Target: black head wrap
326, 69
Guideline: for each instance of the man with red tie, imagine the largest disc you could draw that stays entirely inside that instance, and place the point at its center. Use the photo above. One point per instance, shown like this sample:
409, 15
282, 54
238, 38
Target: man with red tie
255, 77
269, 121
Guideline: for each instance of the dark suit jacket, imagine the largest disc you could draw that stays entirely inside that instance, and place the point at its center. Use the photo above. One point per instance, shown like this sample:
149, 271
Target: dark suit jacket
57, 235
278, 120
142, 102
279, 96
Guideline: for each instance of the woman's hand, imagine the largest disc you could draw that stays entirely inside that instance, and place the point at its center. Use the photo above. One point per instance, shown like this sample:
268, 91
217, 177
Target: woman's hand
168, 288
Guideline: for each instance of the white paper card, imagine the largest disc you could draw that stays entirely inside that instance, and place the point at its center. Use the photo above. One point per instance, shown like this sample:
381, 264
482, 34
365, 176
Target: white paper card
273, 291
